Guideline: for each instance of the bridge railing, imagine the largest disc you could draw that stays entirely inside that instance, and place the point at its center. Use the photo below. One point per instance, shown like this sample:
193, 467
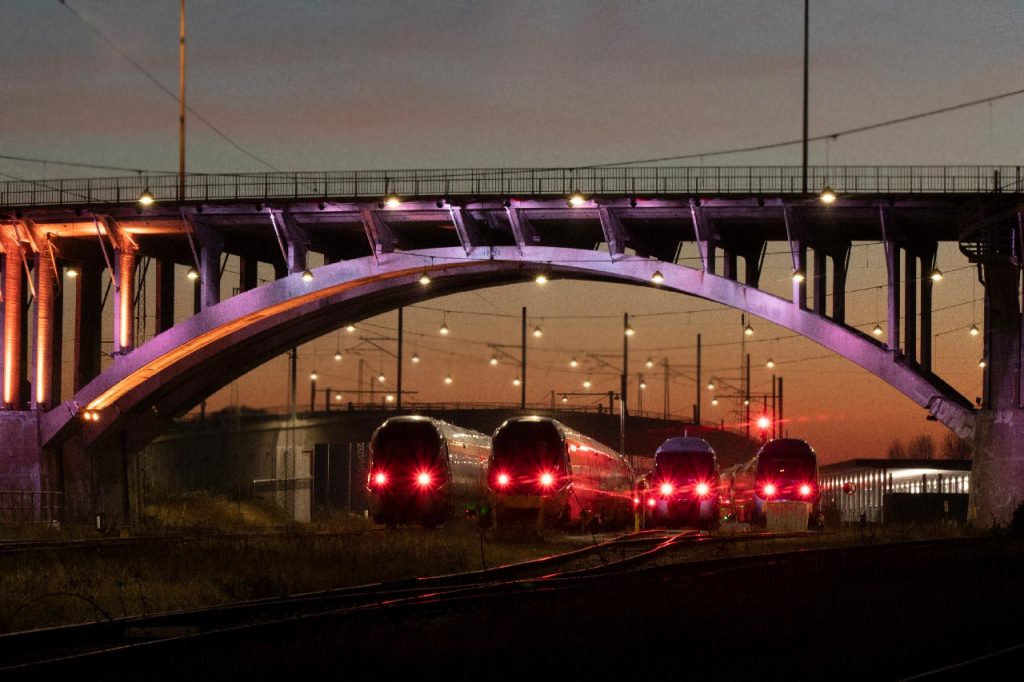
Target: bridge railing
515, 182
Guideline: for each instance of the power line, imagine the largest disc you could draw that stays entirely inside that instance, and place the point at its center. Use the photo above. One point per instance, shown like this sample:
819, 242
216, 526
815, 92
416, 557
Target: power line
160, 85
816, 138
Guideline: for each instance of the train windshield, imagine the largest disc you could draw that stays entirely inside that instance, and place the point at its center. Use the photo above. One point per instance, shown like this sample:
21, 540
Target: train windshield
685, 467
525, 450
406, 449
786, 462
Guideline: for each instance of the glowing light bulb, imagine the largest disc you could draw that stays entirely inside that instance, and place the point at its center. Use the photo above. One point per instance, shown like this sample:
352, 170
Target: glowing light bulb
657, 277
424, 279
827, 196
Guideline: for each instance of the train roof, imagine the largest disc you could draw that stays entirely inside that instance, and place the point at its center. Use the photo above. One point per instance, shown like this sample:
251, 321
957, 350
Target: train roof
563, 432
780, 443
684, 444
443, 428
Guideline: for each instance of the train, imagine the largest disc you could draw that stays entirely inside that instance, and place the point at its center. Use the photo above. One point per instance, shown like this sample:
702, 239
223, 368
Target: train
542, 470
425, 471
683, 485
783, 470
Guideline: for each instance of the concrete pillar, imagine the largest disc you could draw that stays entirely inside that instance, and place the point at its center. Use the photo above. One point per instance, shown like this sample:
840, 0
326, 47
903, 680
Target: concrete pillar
997, 470
88, 330
247, 270
910, 301
800, 263
927, 264
729, 264
209, 275
42, 370
164, 295
819, 281
840, 263
124, 300
892, 266
12, 322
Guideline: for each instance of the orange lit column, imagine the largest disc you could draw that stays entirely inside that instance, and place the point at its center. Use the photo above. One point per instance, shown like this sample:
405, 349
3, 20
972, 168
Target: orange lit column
12, 321
42, 371
124, 276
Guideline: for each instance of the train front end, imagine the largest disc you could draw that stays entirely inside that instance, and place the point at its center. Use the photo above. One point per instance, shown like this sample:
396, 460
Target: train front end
683, 484
787, 471
408, 476
528, 475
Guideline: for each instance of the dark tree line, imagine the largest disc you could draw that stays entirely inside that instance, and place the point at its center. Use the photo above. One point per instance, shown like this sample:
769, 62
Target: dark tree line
923, 447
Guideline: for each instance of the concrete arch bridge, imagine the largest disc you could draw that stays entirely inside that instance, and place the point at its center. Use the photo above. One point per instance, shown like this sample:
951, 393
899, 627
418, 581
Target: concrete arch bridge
378, 233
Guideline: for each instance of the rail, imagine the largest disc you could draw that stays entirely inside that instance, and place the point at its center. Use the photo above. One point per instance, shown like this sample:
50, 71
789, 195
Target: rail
652, 181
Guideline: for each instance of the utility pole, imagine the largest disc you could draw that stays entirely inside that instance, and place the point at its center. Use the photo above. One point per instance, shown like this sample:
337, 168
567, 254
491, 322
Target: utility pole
625, 385
667, 389
181, 105
746, 396
398, 361
522, 395
775, 416
696, 412
807, 24
781, 432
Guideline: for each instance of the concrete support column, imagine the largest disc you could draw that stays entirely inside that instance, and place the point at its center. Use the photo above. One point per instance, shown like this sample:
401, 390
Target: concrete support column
892, 266
88, 312
124, 300
997, 470
209, 275
910, 301
164, 295
247, 269
840, 264
819, 282
927, 265
729, 264
800, 264
42, 371
12, 322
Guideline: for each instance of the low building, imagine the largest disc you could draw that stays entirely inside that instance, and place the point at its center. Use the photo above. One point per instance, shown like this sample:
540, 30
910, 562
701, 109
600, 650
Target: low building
891, 490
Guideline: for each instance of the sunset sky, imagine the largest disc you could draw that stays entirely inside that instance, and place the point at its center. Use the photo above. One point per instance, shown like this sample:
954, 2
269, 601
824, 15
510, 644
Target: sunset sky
321, 85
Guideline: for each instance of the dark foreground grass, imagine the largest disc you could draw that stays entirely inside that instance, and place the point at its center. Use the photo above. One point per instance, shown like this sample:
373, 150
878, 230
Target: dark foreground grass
240, 551
55, 587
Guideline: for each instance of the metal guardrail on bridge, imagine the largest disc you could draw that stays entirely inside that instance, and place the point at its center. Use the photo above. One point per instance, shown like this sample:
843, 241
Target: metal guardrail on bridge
515, 182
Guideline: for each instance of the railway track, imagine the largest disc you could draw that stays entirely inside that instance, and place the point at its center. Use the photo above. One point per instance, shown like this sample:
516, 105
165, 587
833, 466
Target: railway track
631, 557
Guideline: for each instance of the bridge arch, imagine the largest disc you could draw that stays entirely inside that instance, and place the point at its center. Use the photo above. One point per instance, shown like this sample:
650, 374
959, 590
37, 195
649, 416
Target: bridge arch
180, 366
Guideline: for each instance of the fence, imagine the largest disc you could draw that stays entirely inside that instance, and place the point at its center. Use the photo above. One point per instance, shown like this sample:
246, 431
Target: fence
515, 182
31, 506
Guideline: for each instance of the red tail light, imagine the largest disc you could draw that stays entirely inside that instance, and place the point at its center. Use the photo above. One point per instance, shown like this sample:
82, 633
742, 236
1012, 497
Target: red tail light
805, 490
503, 479
769, 490
380, 478
666, 488
703, 489
424, 479
547, 480
636, 501
651, 502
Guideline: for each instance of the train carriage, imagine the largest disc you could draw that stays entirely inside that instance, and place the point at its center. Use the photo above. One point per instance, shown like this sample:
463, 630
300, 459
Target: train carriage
541, 469
424, 471
683, 484
783, 470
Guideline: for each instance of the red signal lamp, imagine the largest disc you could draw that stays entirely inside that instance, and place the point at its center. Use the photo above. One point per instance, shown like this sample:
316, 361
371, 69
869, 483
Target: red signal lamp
763, 422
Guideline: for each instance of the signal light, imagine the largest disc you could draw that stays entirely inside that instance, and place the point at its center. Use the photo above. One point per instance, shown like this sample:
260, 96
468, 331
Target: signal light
763, 422
423, 479
380, 478
547, 480
769, 490
703, 489
805, 490
666, 488
503, 479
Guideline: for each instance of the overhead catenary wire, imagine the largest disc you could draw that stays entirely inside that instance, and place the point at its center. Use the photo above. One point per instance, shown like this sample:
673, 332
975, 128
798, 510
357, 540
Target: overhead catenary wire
141, 69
